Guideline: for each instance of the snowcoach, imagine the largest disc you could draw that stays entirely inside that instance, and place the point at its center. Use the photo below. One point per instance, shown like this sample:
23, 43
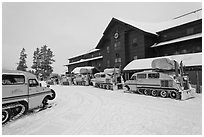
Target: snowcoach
21, 92
108, 79
82, 75
163, 83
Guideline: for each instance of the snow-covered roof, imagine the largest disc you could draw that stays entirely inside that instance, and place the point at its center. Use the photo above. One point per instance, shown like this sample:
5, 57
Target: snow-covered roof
79, 69
178, 40
85, 60
147, 27
155, 27
194, 59
180, 21
90, 51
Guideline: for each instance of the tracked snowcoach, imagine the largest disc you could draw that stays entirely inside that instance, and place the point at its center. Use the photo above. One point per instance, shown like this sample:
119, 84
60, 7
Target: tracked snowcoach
109, 79
21, 92
165, 80
82, 75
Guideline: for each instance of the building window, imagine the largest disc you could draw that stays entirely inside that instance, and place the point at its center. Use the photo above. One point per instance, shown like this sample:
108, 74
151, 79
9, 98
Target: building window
118, 60
164, 36
176, 53
190, 31
108, 49
108, 63
134, 42
117, 45
198, 49
184, 51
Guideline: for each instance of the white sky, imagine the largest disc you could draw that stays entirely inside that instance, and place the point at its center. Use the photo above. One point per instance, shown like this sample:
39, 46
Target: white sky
70, 28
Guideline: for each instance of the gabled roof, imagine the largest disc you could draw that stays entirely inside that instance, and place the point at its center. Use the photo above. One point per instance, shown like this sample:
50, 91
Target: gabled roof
155, 27
143, 26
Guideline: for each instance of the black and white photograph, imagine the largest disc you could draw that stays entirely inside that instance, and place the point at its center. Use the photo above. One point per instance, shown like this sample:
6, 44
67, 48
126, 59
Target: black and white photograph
102, 68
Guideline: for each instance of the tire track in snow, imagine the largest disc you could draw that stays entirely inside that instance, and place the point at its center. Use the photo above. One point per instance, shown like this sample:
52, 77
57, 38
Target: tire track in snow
97, 101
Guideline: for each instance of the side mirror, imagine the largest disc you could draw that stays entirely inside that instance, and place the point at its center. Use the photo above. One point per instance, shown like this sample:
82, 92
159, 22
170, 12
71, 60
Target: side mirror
40, 85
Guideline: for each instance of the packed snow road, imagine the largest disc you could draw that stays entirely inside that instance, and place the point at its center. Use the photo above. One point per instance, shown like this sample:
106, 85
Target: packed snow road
88, 110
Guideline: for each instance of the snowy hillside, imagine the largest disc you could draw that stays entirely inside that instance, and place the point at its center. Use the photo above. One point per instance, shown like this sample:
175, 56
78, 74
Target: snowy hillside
88, 110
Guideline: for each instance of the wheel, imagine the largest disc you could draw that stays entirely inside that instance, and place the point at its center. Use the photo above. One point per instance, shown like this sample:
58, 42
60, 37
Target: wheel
53, 95
163, 93
145, 91
105, 86
140, 91
44, 102
128, 88
6, 115
173, 95
154, 93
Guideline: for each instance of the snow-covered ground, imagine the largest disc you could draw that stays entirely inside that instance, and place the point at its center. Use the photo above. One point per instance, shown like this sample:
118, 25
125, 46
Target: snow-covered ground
88, 110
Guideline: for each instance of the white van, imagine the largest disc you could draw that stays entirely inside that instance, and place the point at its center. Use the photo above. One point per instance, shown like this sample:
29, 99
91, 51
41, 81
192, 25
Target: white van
21, 92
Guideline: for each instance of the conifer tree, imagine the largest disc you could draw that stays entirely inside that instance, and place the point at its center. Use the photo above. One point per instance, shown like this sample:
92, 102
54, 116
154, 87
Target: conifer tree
42, 61
22, 61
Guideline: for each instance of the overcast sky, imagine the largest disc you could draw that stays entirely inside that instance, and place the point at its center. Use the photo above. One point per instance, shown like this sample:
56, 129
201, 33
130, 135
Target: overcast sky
69, 28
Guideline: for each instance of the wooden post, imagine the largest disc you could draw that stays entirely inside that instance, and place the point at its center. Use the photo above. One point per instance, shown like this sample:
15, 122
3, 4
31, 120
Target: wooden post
197, 83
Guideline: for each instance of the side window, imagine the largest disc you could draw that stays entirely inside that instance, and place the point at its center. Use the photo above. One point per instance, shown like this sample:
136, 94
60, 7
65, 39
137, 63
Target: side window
142, 76
153, 75
134, 78
166, 83
103, 75
13, 79
33, 83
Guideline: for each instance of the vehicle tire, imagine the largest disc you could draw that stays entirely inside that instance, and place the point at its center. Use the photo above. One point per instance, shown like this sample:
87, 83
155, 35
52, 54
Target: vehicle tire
44, 102
53, 95
154, 93
163, 94
140, 91
145, 92
6, 115
173, 95
128, 88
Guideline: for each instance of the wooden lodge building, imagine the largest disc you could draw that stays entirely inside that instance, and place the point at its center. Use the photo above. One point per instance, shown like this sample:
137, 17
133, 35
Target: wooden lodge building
124, 41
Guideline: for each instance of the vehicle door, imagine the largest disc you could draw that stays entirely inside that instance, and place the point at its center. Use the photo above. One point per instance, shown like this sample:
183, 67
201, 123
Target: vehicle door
36, 93
133, 83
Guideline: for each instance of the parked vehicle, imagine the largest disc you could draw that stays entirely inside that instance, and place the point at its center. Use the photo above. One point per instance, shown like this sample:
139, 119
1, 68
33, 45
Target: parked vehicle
108, 79
173, 84
21, 92
82, 75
